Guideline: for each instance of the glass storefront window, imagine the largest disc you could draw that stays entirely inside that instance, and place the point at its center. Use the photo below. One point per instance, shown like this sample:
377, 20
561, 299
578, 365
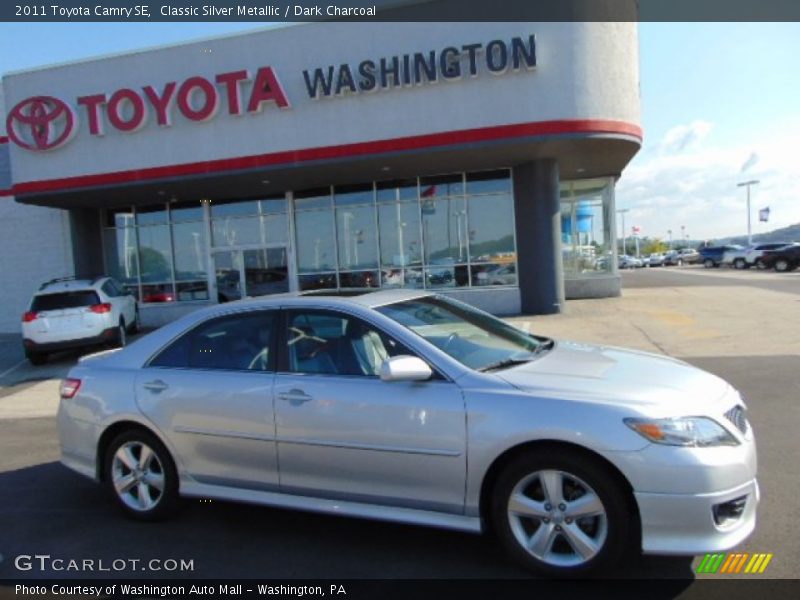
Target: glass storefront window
441, 185
405, 190
122, 258
489, 182
155, 258
491, 228
445, 230
316, 246
359, 279
586, 239
400, 234
189, 245
356, 235
260, 229
246, 208
317, 281
151, 215
185, 211
316, 198
346, 195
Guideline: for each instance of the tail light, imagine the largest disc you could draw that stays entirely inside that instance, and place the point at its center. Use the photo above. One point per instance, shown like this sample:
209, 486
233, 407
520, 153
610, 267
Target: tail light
70, 387
29, 316
100, 308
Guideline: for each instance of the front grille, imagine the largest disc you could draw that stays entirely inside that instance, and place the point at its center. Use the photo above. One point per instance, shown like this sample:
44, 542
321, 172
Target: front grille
737, 417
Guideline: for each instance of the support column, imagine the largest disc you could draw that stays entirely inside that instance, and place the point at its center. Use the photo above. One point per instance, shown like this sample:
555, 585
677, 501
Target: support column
87, 242
537, 213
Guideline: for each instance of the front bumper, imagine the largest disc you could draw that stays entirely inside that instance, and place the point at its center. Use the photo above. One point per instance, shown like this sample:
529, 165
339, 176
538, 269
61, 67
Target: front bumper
684, 523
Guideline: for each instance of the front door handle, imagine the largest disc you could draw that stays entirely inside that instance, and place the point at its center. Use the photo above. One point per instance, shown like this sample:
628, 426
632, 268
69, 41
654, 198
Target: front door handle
295, 397
156, 386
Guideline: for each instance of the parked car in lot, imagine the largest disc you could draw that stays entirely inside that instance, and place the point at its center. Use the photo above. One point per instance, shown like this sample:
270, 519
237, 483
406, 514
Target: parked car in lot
782, 259
712, 256
629, 262
656, 259
690, 256
673, 258
407, 406
77, 313
751, 255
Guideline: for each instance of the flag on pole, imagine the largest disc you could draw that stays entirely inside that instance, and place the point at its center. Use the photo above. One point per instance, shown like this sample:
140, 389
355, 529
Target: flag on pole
636, 230
763, 214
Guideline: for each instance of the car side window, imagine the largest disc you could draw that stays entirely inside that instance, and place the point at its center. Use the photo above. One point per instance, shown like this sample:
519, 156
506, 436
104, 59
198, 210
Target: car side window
109, 289
330, 343
241, 342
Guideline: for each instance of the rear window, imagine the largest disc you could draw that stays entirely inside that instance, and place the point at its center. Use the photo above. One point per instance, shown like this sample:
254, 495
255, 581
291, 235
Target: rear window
63, 300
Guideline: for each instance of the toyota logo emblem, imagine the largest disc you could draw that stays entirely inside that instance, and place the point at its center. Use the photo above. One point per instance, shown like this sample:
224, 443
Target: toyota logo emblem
41, 123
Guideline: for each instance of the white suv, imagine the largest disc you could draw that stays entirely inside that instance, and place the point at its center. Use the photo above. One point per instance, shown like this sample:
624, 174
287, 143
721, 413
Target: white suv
75, 313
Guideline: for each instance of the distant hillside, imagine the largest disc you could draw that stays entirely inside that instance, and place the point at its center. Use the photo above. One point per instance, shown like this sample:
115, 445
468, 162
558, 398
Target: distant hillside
785, 234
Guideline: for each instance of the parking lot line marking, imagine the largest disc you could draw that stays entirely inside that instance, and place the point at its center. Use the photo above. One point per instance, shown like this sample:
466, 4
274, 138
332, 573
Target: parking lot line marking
12, 369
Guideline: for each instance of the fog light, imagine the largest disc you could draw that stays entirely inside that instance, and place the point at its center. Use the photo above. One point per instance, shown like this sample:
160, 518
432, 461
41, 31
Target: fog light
729, 512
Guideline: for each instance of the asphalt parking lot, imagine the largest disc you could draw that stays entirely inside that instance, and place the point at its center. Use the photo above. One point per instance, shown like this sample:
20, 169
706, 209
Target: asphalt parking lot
742, 326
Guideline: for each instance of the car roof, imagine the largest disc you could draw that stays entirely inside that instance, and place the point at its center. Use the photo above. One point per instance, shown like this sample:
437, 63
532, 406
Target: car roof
369, 299
69, 284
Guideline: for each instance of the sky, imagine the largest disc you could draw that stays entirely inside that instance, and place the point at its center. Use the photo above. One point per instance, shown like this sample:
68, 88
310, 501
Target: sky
720, 105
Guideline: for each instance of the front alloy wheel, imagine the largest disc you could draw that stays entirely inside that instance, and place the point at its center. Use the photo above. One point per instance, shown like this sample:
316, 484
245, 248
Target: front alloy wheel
562, 514
141, 475
781, 265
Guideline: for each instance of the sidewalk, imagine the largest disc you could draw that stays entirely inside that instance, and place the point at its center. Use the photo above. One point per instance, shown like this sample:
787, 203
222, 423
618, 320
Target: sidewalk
683, 322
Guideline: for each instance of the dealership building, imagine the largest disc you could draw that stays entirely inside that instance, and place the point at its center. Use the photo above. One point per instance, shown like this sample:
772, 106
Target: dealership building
475, 159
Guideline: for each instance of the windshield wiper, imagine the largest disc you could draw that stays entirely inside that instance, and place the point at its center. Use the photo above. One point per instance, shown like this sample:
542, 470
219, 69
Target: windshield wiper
506, 362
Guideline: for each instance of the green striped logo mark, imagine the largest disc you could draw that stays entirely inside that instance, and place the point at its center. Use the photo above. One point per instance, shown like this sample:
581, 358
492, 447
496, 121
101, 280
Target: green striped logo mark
711, 563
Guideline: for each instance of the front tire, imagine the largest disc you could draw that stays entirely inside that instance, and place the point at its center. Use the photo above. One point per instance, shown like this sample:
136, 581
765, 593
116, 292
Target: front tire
739, 263
708, 263
562, 514
141, 475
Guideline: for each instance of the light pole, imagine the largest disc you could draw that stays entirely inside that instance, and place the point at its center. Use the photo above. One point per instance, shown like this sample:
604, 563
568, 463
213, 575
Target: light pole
669, 232
622, 212
747, 184
683, 236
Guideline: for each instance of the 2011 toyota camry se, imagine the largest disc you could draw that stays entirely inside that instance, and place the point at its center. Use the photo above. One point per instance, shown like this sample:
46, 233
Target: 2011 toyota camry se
407, 406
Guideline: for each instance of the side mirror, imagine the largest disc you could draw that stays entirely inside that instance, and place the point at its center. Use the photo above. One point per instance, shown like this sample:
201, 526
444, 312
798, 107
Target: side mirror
405, 368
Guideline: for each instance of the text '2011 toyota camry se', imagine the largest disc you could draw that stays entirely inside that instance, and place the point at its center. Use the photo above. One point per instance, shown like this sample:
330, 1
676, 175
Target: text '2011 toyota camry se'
407, 406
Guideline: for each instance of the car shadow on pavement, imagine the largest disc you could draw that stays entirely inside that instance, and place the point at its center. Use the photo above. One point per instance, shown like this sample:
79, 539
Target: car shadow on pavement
47, 509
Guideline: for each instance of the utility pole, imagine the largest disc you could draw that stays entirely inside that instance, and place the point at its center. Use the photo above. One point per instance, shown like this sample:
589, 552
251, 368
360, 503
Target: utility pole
748, 184
622, 212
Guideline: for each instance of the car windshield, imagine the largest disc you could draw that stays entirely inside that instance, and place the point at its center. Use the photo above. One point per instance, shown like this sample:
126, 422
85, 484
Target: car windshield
473, 338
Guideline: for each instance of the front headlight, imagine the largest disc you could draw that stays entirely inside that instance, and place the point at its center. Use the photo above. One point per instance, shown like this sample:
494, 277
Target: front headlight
693, 432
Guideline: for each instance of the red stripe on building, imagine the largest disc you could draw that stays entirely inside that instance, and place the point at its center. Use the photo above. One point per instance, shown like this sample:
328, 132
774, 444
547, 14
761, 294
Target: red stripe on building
419, 142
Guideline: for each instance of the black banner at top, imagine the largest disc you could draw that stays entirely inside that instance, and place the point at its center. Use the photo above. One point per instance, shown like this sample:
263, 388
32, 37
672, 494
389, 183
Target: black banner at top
267, 11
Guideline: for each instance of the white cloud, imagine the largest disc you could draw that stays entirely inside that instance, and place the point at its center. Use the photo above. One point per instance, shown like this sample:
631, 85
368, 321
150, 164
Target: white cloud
683, 137
684, 182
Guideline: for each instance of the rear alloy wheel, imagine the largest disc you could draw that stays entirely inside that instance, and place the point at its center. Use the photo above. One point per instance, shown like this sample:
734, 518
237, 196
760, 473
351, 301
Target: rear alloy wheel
708, 263
561, 514
739, 263
782, 265
760, 264
141, 474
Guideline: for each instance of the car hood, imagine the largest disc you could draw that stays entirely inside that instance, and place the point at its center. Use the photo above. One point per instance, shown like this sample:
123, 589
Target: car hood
657, 385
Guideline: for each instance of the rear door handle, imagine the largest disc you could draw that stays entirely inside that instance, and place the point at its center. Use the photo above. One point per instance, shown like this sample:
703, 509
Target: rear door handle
295, 397
155, 386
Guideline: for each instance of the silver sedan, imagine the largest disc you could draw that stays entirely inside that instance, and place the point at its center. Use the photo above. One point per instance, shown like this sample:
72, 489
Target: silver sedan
411, 407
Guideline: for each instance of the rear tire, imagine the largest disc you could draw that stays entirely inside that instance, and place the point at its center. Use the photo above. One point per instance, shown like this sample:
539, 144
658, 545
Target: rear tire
708, 263
562, 513
739, 263
122, 335
141, 475
782, 265
760, 264
36, 358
